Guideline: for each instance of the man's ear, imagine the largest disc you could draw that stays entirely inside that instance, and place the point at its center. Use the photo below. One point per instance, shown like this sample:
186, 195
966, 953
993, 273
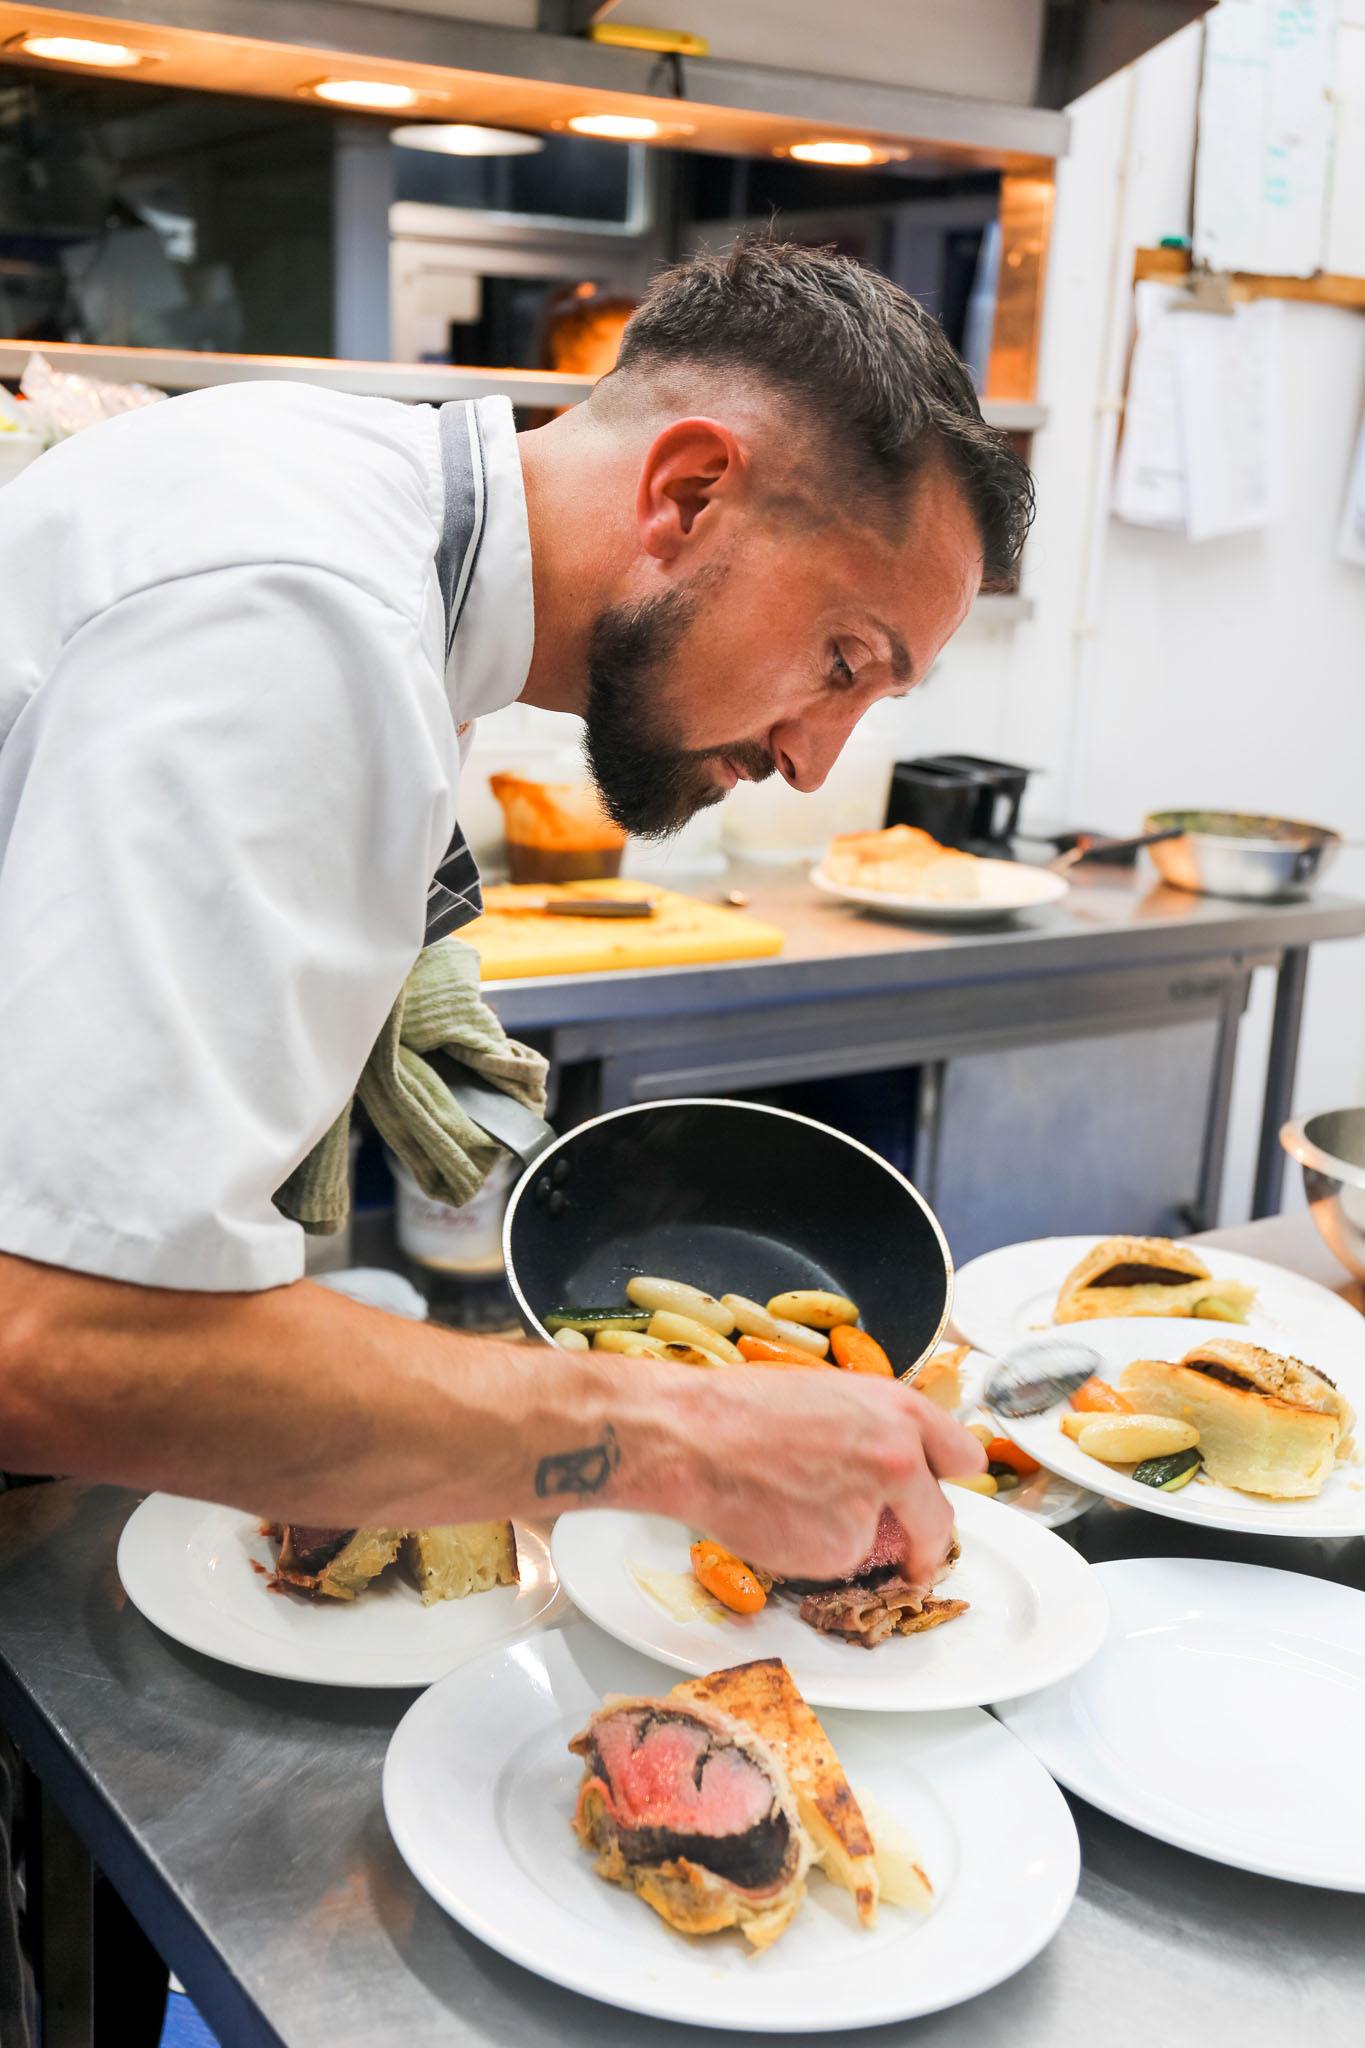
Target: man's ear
691, 471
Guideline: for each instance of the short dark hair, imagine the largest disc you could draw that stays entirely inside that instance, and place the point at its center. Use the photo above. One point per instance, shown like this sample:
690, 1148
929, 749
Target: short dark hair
874, 370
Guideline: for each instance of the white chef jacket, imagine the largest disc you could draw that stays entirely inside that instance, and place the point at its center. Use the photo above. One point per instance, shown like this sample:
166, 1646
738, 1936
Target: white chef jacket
229, 754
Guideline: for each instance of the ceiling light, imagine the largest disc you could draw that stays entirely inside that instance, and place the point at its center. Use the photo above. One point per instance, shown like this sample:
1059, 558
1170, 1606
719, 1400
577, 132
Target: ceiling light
459, 138
79, 50
626, 127
375, 93
852, 154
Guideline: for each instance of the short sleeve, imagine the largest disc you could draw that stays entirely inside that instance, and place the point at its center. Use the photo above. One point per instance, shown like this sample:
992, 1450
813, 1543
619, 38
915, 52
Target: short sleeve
219, 814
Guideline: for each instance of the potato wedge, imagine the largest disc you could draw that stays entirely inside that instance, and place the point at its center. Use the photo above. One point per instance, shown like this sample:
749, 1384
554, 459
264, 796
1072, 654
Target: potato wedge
1128, 1439
679, 1299
676, 1329
814, 1308
629, 1343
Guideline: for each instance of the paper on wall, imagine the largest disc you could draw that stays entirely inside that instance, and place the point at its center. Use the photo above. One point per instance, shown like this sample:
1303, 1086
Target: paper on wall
1149, 479
1351, 539
1265, 134
1344, 253
1200, 453
1229, 379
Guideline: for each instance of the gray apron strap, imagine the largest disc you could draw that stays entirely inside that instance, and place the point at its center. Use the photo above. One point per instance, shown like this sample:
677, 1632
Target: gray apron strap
454, 897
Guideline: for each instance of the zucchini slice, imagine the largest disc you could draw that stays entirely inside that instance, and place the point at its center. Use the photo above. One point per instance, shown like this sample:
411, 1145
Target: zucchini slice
1170, 1473
589, 1320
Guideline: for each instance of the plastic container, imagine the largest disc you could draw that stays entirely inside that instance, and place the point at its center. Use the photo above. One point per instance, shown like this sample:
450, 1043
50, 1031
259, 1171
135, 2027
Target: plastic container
467, 1240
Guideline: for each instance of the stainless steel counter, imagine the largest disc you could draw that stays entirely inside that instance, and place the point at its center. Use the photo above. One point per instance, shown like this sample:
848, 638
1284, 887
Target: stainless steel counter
241, 1820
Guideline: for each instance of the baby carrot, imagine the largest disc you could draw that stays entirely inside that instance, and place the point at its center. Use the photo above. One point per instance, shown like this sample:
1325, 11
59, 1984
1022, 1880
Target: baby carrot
855, 1351
1096, 1397
727, 1578
1000, 1451
763, 1351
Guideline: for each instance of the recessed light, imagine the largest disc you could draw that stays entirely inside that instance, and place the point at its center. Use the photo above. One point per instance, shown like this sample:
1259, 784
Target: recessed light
626, 127
461, 138
80, 50
377, 94
850, 154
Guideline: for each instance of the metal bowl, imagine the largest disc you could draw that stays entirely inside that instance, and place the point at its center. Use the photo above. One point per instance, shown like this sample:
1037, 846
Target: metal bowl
1239, 853
1330, 1148
737, 1198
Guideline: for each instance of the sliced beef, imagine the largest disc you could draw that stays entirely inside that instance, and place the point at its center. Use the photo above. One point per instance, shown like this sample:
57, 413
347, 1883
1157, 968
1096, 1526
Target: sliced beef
888, 1548
310, 1551
673, 1788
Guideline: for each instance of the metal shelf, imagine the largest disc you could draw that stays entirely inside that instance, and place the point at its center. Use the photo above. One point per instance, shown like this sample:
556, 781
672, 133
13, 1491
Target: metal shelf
190, 370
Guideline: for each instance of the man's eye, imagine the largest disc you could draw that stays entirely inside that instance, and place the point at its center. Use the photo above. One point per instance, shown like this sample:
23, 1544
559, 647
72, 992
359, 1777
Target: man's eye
841, 674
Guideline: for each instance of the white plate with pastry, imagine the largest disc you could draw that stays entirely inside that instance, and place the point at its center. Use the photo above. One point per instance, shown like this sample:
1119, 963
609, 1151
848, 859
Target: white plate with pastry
1221, 1715
1006, 1296
995, 888
208, 1577
483, 1797
1223, 1431
1017, 1610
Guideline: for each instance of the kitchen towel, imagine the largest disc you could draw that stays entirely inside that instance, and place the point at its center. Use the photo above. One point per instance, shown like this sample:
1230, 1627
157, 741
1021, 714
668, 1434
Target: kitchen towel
438, 1009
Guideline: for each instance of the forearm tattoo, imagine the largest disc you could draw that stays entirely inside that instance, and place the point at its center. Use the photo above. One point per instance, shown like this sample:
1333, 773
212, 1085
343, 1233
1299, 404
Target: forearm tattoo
585, 1471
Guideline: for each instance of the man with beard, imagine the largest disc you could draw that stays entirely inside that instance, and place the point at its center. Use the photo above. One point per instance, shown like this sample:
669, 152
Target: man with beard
245, 635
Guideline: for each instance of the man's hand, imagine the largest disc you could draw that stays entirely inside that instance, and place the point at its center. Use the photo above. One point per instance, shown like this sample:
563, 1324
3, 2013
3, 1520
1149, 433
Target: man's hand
792, 1469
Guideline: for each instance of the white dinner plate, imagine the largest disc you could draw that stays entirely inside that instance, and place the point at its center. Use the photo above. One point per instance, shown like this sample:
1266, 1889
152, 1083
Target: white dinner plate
479, 1792
1036, 1612
1005, 885
1223, 1714
201, 1573
1339, 1510
1006, 1296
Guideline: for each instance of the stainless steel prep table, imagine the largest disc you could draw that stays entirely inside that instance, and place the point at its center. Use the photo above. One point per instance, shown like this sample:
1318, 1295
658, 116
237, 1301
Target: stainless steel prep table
854, 993
241, 1820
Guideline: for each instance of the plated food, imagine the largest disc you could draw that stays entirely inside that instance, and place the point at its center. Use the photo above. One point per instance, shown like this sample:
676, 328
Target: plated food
481, 1788
904, 861
714, 1801
905, 872
1148, 1276
1213, 1429
444, 1563
1023, 1607
203, 1575
1004, 1297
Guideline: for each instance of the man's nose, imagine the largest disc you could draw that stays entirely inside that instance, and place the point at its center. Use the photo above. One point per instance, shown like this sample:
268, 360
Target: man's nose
806, 748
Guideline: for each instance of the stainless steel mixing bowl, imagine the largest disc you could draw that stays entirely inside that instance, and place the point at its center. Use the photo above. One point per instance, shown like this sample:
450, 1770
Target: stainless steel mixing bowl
1330, 1148
1240, 853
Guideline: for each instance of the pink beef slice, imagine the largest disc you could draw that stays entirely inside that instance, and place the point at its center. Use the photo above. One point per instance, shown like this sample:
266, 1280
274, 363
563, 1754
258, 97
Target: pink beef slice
888, 1546
675, 1789
665, 1773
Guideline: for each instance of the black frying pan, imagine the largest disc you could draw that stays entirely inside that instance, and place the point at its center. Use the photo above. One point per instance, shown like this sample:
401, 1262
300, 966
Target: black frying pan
734, 1198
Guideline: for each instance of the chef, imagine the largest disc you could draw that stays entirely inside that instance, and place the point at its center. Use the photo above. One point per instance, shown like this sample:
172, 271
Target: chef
245, 636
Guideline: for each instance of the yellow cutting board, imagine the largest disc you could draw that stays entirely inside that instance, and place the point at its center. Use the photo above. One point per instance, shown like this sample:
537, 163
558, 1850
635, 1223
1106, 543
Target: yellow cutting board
682, 932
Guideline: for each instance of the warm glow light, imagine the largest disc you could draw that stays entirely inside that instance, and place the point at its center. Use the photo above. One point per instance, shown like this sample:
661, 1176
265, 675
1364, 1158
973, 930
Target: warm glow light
847, 153
620, 127
365, 92
459, 138
76, 50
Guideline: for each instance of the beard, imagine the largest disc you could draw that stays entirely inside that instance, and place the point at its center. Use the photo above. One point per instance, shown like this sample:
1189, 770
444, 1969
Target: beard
650, 785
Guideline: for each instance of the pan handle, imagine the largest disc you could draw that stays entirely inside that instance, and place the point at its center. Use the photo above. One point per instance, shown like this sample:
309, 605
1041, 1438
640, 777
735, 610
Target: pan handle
514, 1126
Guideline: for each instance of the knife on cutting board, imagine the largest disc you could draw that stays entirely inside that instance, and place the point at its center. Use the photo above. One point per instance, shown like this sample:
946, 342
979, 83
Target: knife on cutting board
577, 906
